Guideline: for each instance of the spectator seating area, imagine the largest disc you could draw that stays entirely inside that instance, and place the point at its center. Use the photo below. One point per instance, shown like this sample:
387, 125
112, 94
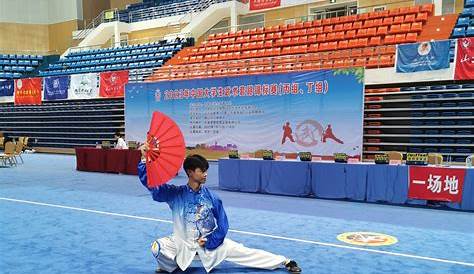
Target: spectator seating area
430, 119
465, 24
366, 39
16, 65
137, 56
64, 124
148, 10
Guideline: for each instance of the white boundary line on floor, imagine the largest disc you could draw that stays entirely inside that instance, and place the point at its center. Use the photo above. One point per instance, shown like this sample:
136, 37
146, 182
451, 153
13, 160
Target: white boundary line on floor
248, 233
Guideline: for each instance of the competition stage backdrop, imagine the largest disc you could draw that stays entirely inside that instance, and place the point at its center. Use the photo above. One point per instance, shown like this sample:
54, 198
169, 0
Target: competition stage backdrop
316, 111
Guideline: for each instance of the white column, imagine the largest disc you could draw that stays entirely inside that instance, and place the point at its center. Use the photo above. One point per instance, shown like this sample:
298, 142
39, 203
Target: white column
438, 7
116, 34
233, 16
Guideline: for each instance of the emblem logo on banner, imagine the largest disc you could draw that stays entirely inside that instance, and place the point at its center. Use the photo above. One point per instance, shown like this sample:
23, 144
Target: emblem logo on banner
84, 86
423, 56
112, 84
465, 59
438, 184
28, 91
56, 87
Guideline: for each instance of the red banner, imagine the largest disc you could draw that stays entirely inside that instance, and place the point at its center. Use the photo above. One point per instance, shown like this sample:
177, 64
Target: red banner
264, 4
465, 59
112, 84
438, 184
28, 91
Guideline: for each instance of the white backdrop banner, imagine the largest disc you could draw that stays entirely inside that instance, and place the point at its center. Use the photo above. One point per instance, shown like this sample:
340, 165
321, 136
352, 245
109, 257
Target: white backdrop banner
84, 86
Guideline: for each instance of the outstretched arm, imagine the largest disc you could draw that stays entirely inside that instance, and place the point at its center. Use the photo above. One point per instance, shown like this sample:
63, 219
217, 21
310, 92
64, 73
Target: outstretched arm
163, 193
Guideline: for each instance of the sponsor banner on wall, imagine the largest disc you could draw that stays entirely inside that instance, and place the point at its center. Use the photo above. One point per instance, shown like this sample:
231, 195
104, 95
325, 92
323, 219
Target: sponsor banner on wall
314, 111
264, 4
438, 184
56, 87
112, 84
7, 89
465, 59
424, 56
84, 86
28, 91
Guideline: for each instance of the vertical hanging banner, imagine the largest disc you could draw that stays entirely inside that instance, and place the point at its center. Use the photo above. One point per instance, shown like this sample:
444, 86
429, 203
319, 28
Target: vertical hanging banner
28, 91
84, 86
313, 111
7, 89
264, 4
423, 56
112, 84
465, 59
56, 87
438, 184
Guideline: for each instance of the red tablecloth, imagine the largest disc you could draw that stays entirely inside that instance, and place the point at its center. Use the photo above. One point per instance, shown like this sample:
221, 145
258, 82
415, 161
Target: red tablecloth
107, 160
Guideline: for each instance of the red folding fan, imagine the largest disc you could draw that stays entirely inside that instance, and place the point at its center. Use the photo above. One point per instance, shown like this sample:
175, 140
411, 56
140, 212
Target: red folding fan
167, 150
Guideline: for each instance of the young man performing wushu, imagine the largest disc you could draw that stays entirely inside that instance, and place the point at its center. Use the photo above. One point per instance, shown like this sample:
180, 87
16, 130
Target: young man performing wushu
200, 226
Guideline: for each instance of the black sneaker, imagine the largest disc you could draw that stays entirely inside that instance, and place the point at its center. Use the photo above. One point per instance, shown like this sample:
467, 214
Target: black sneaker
159, 270
292, 267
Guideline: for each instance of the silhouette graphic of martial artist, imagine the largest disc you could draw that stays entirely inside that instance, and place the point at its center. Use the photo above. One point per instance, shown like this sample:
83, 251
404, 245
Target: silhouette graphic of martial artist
287, 133
329, 135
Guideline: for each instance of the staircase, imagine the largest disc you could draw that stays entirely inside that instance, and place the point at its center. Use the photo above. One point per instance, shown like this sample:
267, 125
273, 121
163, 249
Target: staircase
438, 27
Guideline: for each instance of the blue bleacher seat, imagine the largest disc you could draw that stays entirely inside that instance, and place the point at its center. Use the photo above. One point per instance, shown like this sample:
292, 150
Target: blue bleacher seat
448, 113
417, 105
465, 113
448, 104
467, 12
407, 89
430, 141
417, 114
417, 96
464, 132
430, 150
437, 87
448, 132
415, 149
465, 104
463, 141
463, 150
449, 95
453, 86
459, 32
416, 131
462, 22
447, 141
469, 3
466, 94
433, 96
470, 30
432, 131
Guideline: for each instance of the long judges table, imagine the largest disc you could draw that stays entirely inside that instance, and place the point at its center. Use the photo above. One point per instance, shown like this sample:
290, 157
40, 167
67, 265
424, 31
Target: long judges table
108, 160
359, 181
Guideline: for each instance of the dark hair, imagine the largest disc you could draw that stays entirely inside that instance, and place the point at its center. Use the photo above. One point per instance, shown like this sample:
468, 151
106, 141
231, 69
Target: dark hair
195, 161
117, 133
